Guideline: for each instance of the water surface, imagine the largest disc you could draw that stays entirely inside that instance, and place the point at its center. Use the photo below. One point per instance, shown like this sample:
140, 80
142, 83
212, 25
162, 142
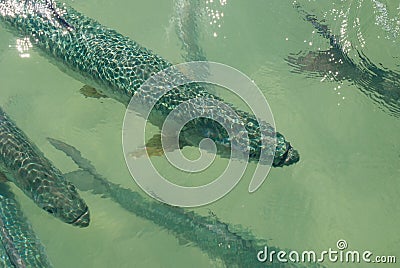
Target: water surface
346, 185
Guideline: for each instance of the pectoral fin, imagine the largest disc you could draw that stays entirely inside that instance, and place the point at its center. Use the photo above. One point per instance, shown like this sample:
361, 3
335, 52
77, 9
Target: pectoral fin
91, 92
154, 147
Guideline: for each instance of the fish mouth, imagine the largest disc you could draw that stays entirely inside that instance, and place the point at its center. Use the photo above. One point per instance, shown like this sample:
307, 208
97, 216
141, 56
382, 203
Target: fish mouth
291, 156
83, 220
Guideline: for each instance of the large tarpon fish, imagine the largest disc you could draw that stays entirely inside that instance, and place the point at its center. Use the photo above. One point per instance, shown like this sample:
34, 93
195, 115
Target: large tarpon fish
187, 20
118, 66
19, 247
236, 248
26, 166
380, 84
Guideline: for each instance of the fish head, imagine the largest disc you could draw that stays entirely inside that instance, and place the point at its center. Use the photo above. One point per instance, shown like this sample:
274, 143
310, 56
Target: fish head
285, 154
60, 198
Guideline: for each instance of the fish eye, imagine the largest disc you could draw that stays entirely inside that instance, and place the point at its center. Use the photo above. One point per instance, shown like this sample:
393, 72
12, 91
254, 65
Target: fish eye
50, 210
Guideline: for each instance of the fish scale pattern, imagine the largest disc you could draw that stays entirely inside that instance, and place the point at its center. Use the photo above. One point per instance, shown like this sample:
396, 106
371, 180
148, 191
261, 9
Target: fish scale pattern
118, 66
34, 174
20, 246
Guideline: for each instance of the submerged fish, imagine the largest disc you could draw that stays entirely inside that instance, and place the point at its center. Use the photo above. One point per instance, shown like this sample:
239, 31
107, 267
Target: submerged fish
210, 234
19, 245
187, 21
118, 66
380, 84
26, 166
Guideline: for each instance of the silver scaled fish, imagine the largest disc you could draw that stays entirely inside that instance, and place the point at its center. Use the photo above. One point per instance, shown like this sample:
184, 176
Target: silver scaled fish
26, 166
118, 66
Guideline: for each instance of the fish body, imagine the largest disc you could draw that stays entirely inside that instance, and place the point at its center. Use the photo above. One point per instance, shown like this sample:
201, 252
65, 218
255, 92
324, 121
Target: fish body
380, 84
187, 20
26, 166
19, 245
118, 66
208, 233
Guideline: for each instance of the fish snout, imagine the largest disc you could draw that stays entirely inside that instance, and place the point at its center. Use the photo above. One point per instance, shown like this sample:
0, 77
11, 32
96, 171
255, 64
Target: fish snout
83, 220
62, 200
291, 156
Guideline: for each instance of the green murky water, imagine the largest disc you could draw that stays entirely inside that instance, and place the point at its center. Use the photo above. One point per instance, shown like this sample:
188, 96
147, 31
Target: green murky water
346, 185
